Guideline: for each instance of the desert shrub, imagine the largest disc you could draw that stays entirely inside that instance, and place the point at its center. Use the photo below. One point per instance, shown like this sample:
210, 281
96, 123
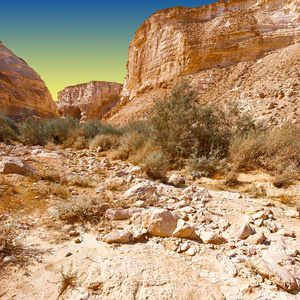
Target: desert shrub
106, 142
207, 166
135, 135
9, 130
41, 132
231, 179
62, 129
275, 150
10, 237
172, 121
48, 175
286, 177
35, 132
79, 209
92, 128
185, 129
153, 161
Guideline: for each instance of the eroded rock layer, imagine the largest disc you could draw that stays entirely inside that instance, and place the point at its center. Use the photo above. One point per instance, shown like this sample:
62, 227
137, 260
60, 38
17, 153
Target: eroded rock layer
233, 40
88, 101
21, 88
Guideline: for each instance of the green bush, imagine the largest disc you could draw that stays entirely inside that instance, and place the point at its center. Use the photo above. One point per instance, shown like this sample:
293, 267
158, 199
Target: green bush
106, 142
92, 128
35, 132
9, 130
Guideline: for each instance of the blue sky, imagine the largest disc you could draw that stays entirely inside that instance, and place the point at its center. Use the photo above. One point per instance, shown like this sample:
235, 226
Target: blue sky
72, 42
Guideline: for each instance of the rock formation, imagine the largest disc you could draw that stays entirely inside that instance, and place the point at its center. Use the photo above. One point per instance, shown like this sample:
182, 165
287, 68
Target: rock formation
247, 51
88, 101
21, 88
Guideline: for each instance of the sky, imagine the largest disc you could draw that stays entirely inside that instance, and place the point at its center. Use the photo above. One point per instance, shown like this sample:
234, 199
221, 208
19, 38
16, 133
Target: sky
69, 42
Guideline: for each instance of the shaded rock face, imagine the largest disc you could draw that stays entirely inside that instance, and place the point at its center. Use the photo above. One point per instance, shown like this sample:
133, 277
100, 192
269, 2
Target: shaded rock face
88, 101
219, 48
22, 89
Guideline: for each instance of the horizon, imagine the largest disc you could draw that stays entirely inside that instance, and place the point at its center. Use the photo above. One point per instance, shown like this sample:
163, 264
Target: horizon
69, 43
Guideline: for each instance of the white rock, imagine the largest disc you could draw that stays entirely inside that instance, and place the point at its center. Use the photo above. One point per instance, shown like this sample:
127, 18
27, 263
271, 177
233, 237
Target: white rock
142, 189
162, 223
185, 230
176, 179
283, 277
140, 203
188, 209
184, 247
117, 237
210, 237
9, 165
191, 251
260, 215
292, 213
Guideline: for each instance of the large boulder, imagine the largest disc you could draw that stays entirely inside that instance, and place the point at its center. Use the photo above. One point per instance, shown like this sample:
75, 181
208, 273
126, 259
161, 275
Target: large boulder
161, 222
10, 165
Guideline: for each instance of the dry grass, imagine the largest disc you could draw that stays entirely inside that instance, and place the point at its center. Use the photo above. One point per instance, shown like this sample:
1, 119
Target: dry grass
106, 142
231, 179
48, 175
287, 199
80, 209
10, 237
275, 150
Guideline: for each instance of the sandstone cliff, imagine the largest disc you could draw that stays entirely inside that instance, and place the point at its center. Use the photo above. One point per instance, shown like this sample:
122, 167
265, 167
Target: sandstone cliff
88, 101
21, 88
224, 49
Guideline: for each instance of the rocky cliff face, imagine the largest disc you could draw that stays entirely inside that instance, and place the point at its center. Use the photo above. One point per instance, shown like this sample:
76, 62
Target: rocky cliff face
234, 39
21, 88
88, 101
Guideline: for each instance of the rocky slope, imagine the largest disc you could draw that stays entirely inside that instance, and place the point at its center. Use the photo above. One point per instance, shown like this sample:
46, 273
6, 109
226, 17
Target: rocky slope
179, 240
21, 88
224, 49
88, 101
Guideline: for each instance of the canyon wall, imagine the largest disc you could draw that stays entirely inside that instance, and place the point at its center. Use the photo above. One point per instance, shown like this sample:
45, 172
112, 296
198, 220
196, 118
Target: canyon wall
22, 89
88, 101
207, 44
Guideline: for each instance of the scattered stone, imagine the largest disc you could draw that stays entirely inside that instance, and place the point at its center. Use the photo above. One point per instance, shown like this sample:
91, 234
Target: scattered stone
184, 247
162, 223
282, 276
142, 189
74, 193
191, 251
78, 240
209, 237
10, 165
292, 213
271, 225
176, 179
188, 210
256, 239
185, 230
260, 215
69, 254
140, 203
223, 224
9, 259
259, 222
286, 233
122, 214
51, 155
74, 233
244, 231
229, 265
139, 233
122, 237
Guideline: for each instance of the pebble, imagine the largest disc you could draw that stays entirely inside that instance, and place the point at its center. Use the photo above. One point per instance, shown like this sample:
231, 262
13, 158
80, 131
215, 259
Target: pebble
191, 251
